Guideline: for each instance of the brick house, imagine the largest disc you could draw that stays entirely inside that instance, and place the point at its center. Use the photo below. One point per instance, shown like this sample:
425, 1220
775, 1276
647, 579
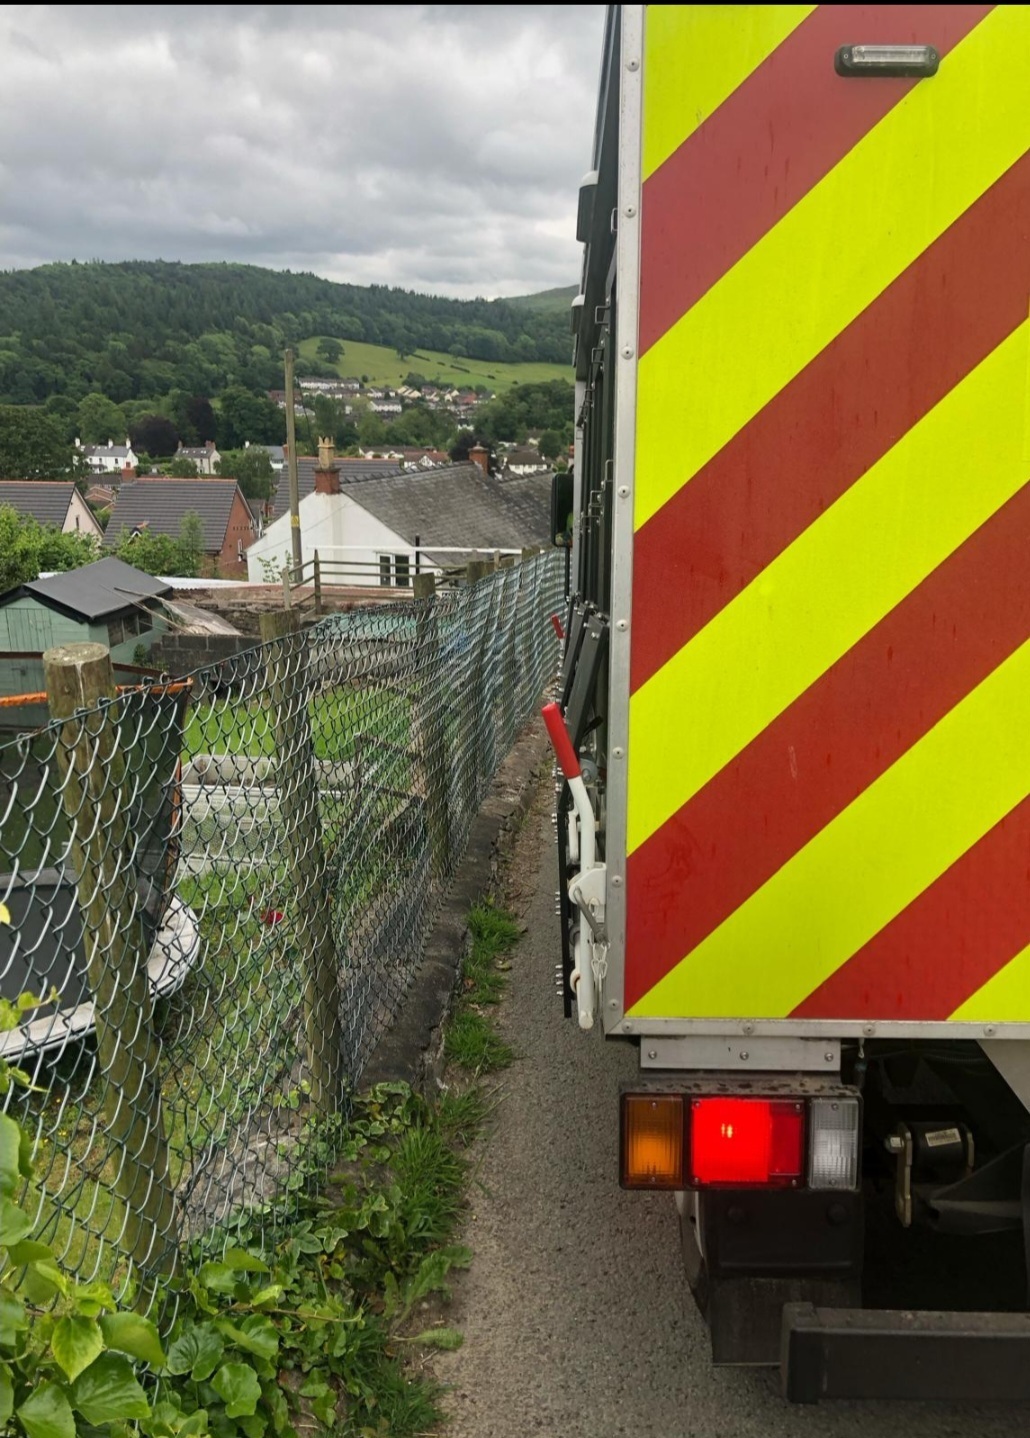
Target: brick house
158, 505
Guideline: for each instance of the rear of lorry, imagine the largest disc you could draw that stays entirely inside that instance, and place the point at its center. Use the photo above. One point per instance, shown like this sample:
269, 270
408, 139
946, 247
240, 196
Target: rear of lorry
794, 708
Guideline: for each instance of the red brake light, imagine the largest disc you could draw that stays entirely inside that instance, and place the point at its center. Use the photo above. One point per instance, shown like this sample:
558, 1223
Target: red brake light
746, 1141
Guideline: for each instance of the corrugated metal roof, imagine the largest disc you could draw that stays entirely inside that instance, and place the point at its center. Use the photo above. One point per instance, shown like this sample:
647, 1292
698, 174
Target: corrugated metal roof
45, 500
161, 503
352, 471
94, 591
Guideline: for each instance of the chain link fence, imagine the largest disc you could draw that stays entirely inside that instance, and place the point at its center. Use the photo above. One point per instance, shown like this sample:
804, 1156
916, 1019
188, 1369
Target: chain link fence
220, 889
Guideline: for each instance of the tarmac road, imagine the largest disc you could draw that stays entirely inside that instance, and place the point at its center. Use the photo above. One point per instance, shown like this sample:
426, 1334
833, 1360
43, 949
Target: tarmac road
577, 1318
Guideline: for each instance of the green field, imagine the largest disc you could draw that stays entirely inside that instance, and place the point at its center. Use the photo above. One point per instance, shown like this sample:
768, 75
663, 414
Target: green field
383, 367
559, 300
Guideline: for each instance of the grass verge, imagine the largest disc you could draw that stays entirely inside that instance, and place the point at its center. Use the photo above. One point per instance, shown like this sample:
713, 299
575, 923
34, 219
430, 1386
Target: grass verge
472, 1041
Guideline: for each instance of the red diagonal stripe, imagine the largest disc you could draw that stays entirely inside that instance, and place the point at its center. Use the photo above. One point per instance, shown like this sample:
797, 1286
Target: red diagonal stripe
820, 434
821, 753
764, 148
949, 941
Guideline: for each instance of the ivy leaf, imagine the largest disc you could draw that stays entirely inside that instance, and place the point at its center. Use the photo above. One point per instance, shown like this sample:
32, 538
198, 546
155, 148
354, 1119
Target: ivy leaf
28, 1250
91, 1298
108, 1392
47, 1414
447, 1338
245, 1262
15, 1223
237, 1384
43, 1278
10, 1155
6, 1396
256, 1334
12, 1317
197, 1351
75, 1344
136, 1336
253, 1425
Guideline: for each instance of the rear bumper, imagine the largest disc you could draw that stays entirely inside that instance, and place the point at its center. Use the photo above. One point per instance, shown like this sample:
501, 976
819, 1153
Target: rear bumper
870, 1353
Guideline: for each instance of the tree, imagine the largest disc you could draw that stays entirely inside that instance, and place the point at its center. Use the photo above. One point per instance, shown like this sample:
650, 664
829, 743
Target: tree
371, 430
192, 416
330, 350
154, 435
251, 469
191, 542
551, 445
100, 419
28, 548
32, 446
244, 416
155, 554
182, 467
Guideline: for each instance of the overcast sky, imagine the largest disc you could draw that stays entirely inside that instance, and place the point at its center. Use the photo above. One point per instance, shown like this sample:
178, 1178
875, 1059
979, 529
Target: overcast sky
435, 147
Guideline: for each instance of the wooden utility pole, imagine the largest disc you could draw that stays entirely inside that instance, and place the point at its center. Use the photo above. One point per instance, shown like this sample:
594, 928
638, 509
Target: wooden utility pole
95, 788
291, 468
303, 847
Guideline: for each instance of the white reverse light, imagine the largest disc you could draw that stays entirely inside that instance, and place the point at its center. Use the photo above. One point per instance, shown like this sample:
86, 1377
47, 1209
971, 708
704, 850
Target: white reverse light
833, 1143
911, 60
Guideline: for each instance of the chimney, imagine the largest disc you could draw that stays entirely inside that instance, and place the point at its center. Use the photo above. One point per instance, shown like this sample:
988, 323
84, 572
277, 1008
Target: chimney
478, 455
327, 476
127, 471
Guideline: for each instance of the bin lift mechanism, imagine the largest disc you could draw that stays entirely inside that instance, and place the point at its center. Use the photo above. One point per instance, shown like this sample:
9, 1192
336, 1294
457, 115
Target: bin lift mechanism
587, 887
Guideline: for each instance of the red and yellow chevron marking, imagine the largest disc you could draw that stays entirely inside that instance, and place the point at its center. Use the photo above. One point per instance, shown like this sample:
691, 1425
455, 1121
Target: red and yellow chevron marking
829, 769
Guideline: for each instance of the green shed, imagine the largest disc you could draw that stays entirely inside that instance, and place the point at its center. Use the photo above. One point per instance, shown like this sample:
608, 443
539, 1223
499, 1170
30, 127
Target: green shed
107, 603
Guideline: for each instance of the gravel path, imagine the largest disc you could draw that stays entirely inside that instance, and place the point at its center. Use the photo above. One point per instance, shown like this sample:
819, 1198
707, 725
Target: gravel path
577, 1317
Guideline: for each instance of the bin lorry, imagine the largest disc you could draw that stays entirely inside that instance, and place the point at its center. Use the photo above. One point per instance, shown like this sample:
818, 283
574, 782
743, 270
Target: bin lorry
793, 716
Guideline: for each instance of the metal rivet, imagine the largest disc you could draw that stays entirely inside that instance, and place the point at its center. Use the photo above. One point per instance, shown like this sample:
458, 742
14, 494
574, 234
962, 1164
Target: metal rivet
623, 491
621, 624
829, 1057
617, 881
618, 752
630, 211
744, 1055
748, 1028
869, 1028
632, 64
652, 1053
613, 1003
989, 1030
627, 352
627, 1026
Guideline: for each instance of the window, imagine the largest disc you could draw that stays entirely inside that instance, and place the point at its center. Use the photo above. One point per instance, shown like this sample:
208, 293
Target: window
395, 571
385, 564
402, 572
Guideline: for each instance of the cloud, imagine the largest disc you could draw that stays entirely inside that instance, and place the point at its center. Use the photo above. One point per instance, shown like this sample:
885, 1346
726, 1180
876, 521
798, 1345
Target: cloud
435, 147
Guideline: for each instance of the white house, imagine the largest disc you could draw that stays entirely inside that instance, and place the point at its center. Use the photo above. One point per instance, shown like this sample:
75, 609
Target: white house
377, 525
109, 458
56, 502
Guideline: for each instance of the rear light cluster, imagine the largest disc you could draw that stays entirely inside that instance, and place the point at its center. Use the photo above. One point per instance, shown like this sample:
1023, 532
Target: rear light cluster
678, 1140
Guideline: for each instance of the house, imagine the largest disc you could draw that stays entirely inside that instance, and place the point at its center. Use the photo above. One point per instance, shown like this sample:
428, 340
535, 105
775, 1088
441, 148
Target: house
524, 459
385, 406
56, 502
109, 458
414, 458
385, 524
204, 456
276, 454
107, 603
351, 471
101, 495
158, 505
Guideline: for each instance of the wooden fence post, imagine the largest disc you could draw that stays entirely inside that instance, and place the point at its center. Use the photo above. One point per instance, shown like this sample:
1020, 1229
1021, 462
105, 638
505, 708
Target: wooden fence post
303, 847
317, 572
94, 787
287, 598
431, 742
475, 571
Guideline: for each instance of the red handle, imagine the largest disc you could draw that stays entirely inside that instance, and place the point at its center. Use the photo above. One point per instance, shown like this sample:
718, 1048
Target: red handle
560, 741
558, 627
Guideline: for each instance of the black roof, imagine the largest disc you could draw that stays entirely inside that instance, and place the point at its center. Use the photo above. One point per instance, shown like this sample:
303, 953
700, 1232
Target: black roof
160, 504
458, 507
93, 592
351, 471
45, 500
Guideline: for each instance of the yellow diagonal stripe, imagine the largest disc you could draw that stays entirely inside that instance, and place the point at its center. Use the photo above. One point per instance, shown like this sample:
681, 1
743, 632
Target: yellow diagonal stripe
915, 172
867, 865
1004, 998
884, 535
695, 56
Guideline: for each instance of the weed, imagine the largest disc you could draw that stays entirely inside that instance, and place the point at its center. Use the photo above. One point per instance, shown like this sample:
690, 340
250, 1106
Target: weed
461, 1115
474, 1043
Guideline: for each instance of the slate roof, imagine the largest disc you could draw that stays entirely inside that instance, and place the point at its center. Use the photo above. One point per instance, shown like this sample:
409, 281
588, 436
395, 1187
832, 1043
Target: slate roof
45, 500
161, 503
351, 471
458, 507
93, 592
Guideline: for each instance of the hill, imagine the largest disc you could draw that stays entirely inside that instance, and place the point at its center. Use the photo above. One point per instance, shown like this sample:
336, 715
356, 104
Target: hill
139, 330
383, 366
557, 301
